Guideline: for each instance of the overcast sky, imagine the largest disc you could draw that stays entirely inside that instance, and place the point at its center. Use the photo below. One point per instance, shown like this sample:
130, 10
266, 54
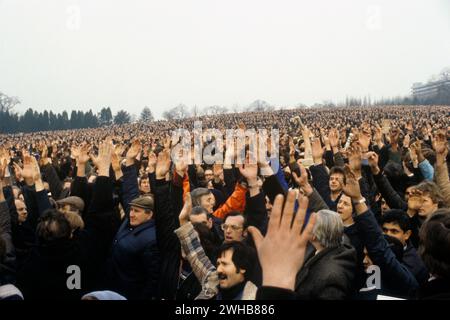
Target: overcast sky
66, 54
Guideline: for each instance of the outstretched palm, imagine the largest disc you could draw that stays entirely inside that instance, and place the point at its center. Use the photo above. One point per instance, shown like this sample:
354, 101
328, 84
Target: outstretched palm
282, 251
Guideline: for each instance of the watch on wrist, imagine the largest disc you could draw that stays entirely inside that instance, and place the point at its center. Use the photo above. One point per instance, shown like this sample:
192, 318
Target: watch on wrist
362, 200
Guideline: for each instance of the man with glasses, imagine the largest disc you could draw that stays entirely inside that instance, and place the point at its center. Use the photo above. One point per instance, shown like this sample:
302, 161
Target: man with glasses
234, 227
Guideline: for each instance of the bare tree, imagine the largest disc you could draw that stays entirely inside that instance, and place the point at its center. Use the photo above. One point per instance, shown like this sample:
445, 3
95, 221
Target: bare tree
301, 106
7, 102
214, 110
178, 112
195, 112
260, 106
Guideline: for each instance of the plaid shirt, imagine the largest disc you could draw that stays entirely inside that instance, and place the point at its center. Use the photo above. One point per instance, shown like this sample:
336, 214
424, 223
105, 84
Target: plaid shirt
202, 267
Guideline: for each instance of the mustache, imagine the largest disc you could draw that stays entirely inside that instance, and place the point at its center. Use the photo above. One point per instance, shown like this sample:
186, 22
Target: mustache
222, 276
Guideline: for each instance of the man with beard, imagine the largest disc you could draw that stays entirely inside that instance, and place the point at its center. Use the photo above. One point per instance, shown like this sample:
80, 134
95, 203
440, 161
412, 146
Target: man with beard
228, 280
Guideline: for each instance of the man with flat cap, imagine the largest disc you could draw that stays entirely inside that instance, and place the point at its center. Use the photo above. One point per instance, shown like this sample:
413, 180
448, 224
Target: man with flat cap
135, 259
72, 208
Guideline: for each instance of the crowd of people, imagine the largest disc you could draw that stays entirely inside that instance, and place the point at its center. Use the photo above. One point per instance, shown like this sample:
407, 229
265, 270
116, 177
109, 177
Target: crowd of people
356, 207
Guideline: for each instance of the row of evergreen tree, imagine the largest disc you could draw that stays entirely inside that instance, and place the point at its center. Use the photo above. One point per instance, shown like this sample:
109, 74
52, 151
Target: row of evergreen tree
33, 121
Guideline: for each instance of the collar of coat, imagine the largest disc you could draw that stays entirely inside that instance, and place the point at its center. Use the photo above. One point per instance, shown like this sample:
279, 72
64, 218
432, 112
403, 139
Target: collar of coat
249, 292
136, 230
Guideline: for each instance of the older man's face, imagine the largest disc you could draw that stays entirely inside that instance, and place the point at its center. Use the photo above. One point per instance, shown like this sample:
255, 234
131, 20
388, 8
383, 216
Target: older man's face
208, 201
139, 216
21, 210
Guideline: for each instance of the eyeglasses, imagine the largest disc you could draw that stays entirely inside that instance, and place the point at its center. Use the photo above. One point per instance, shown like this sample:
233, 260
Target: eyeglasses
232, 226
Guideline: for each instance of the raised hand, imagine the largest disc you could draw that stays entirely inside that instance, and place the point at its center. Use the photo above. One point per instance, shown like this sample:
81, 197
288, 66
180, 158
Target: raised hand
75, 152
364, 139
162, 164
119, 149
317, 151
416, 149
3, 166
133, 152
406, 141
5, 157
151, 162
83, 156
28, 171
229, 156
351, 186
282, 251
333, 137
440, 146
167, 143
115, 162
354, 159
291, 148
18, 172
35, 169
394, 134
249, 171
103, 160
302, 181
409, 127
186, 210
306, 133
181, 163
373, 162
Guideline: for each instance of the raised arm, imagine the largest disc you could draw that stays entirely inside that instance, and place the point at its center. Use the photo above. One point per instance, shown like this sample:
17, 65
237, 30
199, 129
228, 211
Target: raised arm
50, 174
392, 198
203, 268
130, 187
255, 209
166, 223
374, 241
440, 145
102, 197
79, 186
234, 202
5, 222
316, 202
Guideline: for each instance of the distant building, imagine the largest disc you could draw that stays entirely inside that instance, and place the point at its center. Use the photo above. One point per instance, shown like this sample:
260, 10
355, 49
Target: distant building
435, 89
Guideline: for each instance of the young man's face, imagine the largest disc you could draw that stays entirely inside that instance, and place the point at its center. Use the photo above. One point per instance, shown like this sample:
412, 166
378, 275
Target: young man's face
392, 229
201, 218
233, 228
208, 201
428, 206
144, 185
228, 275
345, 209
139, 216
336, 181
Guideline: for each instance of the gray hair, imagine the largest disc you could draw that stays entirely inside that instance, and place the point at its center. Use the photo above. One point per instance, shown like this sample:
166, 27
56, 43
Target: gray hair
197, 193
329, 229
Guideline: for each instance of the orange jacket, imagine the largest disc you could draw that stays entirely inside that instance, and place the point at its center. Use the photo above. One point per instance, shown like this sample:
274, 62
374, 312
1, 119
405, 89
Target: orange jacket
235, 202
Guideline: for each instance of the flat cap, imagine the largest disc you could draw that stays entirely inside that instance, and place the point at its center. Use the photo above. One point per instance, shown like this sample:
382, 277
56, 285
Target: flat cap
76, 202
144, 202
